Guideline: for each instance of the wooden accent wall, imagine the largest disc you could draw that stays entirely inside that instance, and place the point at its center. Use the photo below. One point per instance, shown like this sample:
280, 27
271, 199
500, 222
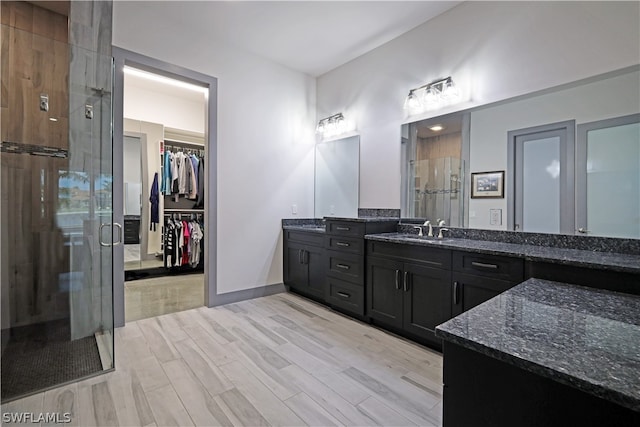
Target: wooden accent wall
35, 60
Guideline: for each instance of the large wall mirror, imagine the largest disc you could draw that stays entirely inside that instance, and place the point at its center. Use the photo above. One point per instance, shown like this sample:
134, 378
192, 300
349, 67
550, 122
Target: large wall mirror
581, 141
337, 174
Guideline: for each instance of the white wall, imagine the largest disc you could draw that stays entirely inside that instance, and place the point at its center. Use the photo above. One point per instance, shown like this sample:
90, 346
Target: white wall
265, 135
494, 50
604, 99
141, 103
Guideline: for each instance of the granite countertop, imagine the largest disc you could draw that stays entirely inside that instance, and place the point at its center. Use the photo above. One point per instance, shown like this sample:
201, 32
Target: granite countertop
604, 260
582, 337
365, 219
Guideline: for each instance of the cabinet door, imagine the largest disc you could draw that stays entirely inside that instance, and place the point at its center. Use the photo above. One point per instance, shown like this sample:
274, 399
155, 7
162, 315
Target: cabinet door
469, 291
296, 273
427, 299
384, 291
313, 258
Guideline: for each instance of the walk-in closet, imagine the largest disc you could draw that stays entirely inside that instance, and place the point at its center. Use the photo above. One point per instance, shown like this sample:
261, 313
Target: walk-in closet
164, 170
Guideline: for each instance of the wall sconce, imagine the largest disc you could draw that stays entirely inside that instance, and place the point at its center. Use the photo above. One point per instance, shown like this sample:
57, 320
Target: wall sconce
332, 125
431, 96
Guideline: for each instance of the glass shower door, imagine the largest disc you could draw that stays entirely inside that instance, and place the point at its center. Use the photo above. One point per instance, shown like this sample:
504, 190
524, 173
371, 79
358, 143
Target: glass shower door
56, 216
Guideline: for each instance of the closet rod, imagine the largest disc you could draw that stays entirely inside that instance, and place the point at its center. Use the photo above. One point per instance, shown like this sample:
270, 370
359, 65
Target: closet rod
193, 145
185, 210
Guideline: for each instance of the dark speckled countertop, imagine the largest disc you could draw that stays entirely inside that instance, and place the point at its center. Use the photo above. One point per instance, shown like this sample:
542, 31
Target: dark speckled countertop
603, 260
582, 337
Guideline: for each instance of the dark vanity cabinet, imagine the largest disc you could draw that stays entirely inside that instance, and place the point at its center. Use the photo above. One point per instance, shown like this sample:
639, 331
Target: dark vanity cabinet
408, 288
479, 277
345, 261
304, 263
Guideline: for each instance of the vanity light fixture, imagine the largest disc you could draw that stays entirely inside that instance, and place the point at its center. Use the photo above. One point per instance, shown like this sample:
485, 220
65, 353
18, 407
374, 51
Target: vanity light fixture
332, 125
431, 96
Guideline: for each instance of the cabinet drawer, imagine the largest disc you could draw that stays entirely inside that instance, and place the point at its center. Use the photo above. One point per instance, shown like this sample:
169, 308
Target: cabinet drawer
429, 257
494, 266
310, 238
345, 266
345, 228
353, 245
345, 295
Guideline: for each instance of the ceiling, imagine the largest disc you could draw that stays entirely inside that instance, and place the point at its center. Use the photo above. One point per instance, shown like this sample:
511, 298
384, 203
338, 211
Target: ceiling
312, 37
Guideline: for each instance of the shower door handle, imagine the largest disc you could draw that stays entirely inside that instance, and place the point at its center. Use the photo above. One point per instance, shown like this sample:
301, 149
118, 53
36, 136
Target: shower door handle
112, 243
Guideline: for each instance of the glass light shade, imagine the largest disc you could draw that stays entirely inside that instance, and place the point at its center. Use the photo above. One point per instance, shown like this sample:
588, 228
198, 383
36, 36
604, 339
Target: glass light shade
431, 96
321, 127
412, 102
340, 124
450, 90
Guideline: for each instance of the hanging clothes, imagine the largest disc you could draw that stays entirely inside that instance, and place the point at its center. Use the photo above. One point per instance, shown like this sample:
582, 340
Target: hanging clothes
174, 173
196, 239
166, 174
154, 199
201, 177
193, 193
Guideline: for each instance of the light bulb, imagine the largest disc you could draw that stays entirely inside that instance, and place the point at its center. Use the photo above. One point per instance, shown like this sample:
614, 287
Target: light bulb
431, 96
412, 102
340, 124
450, 90
321, 127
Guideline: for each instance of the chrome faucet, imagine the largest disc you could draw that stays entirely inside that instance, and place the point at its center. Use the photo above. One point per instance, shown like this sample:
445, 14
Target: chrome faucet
440, 236
427, 223
419, 230
441, 222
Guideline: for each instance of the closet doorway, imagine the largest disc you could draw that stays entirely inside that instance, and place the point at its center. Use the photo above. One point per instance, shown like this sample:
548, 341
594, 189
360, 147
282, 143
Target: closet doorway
164, 148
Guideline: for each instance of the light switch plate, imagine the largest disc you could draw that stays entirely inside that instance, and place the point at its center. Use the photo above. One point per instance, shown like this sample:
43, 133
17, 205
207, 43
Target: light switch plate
495, 216
294, 209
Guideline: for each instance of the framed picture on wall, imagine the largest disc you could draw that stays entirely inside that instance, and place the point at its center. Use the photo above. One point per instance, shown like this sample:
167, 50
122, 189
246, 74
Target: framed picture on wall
487, 185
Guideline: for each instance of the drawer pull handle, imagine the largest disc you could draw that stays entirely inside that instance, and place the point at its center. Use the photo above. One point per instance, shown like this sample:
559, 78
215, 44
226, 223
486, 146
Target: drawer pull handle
483, 265
405, 283
343, 266
343, 295
343, 228
456, 295
346, 245
398, 279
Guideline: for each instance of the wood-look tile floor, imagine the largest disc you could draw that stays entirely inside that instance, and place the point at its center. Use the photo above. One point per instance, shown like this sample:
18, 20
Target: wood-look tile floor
277, 360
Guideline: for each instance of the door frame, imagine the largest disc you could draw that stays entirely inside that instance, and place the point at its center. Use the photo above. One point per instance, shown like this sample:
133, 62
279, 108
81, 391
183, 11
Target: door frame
567, 167
124, 57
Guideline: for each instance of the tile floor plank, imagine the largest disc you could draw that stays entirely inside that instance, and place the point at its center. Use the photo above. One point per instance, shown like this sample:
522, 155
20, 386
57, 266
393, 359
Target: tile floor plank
167, 408
268, 404
244, 411
200, 405
211, 377
312, 414
381, 414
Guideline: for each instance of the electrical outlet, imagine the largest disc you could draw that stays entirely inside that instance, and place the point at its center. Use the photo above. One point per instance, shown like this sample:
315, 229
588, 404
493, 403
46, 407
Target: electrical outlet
294, 209
332, 209
495, 216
